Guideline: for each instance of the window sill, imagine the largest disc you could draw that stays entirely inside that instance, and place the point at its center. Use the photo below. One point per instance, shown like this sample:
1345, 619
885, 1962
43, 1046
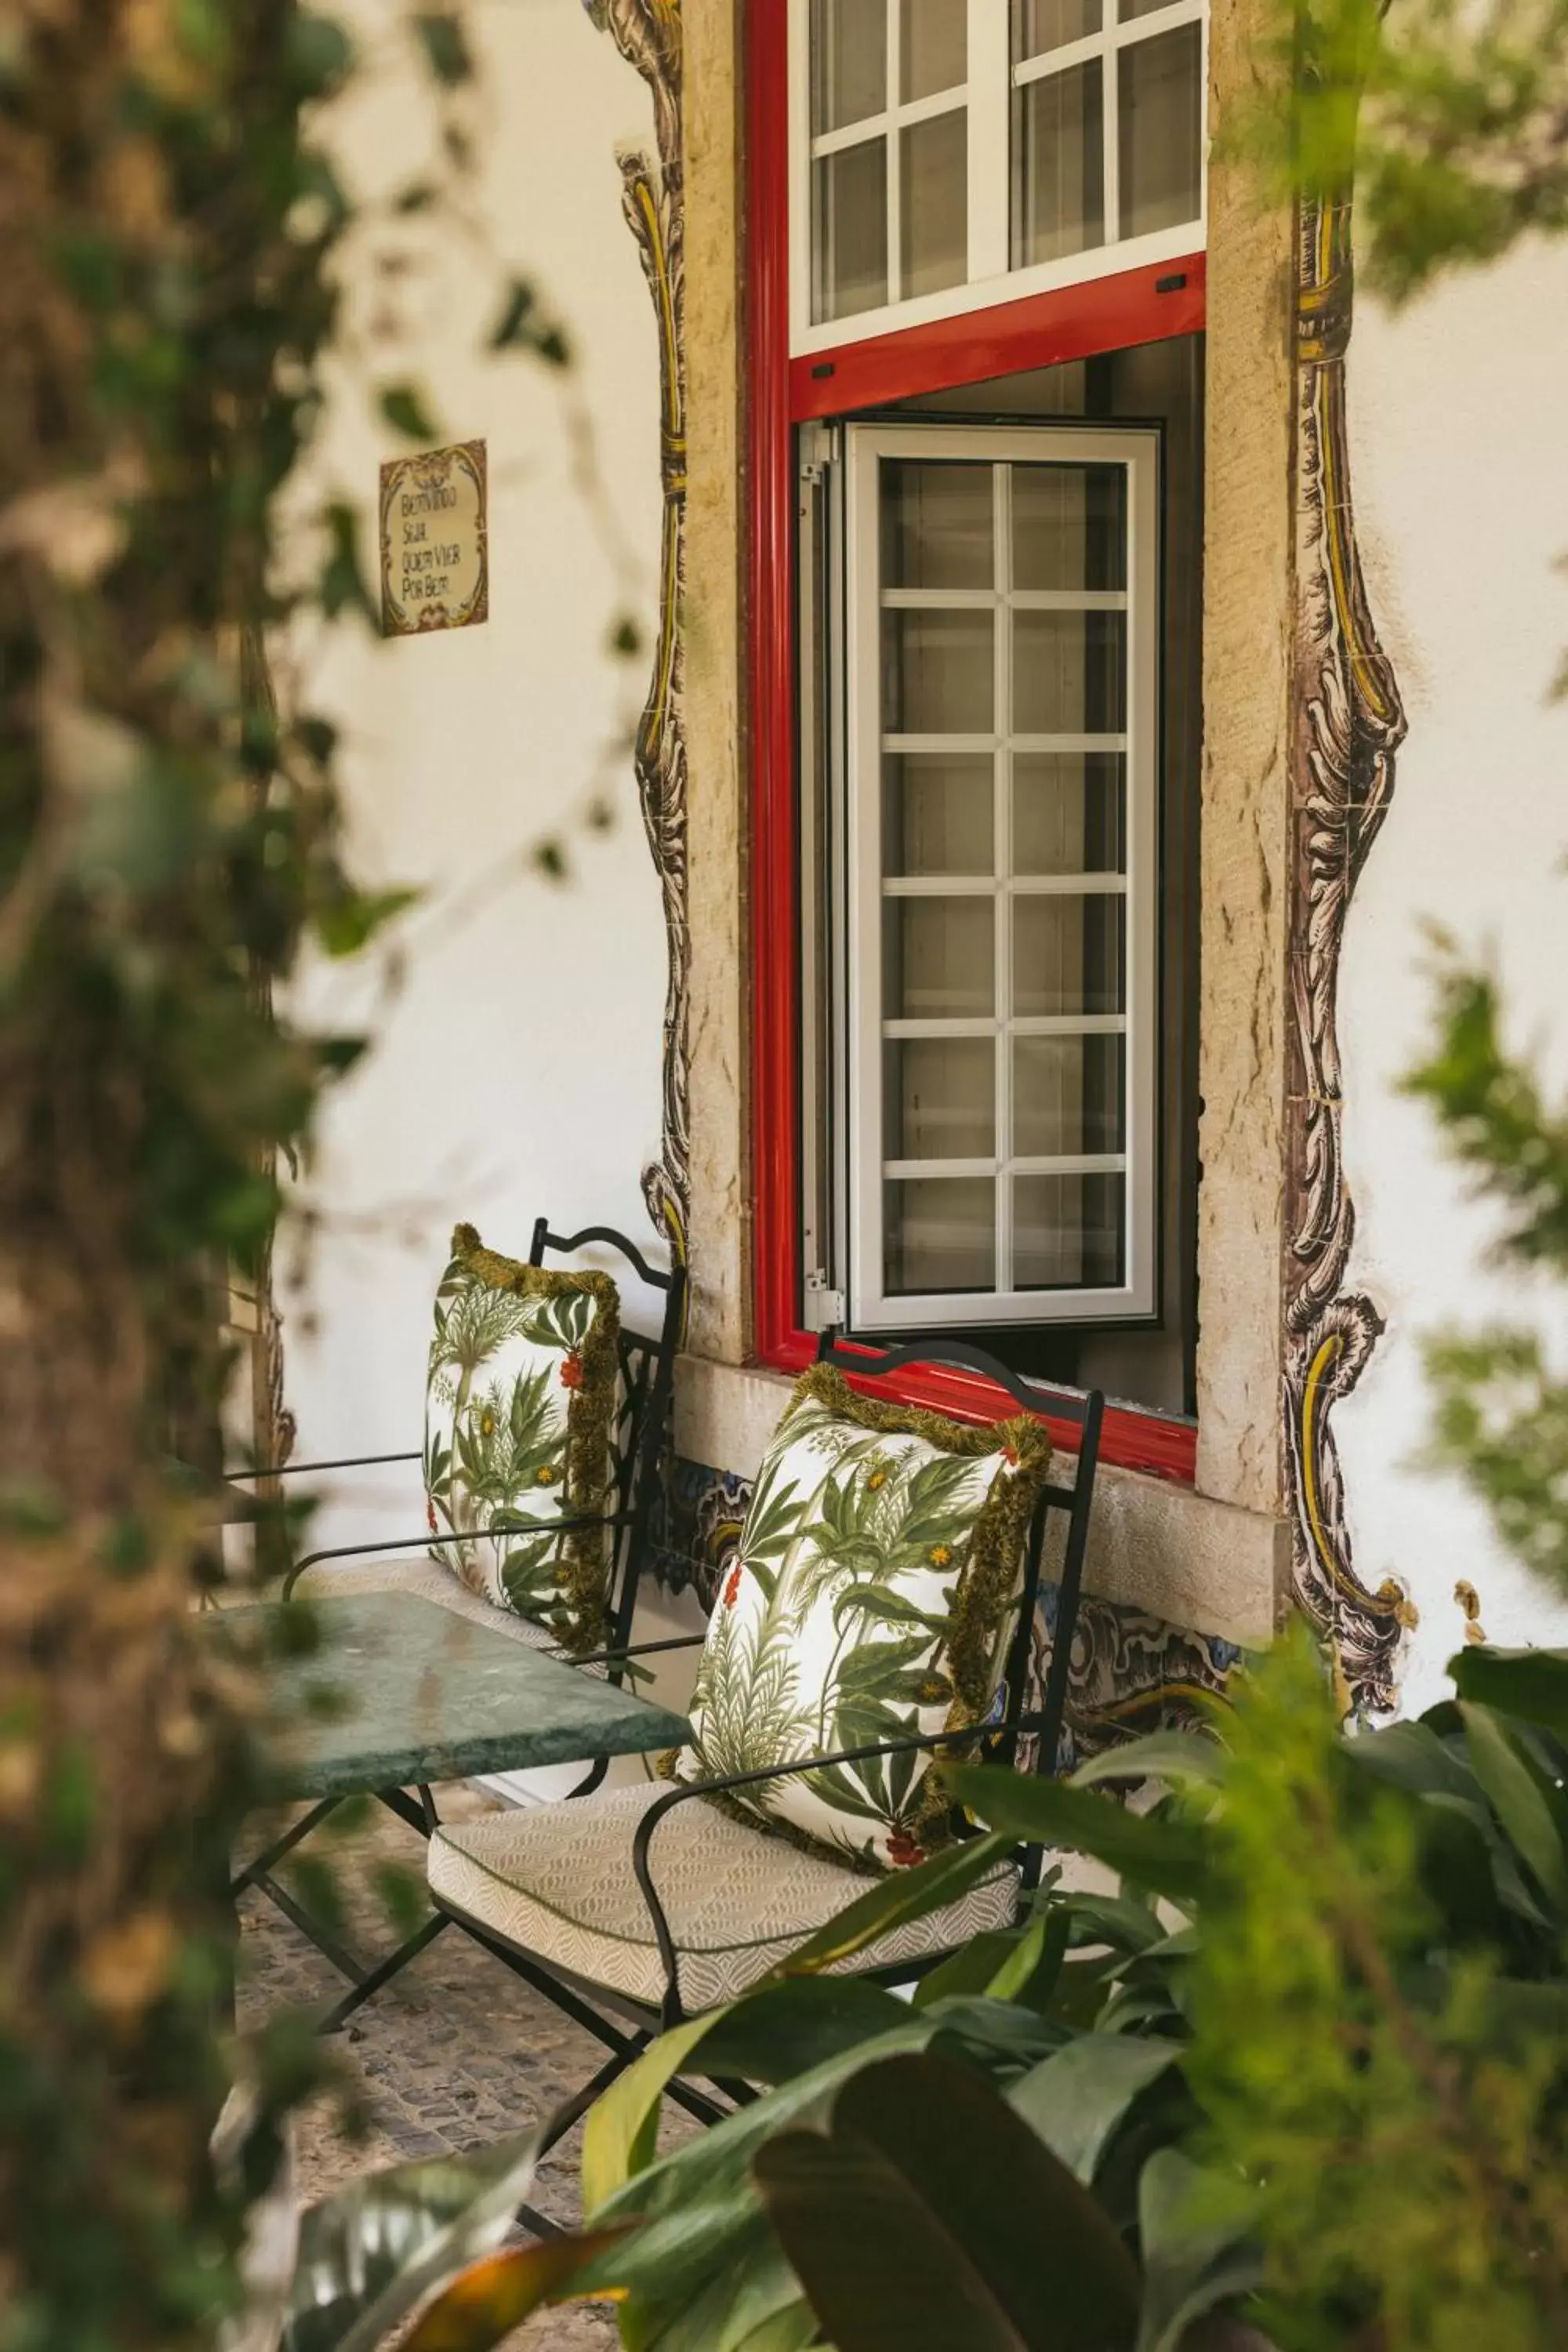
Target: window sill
1157, 1444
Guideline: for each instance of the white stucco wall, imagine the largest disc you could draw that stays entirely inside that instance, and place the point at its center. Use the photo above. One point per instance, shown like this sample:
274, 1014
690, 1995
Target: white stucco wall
1461, 498
518, 1021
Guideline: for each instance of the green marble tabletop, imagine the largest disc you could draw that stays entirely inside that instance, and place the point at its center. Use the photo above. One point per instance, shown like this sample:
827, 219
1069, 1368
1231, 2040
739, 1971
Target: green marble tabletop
401, 1691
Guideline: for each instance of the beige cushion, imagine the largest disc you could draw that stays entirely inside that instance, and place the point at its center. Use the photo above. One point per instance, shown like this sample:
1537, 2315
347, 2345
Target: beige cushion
556, 1881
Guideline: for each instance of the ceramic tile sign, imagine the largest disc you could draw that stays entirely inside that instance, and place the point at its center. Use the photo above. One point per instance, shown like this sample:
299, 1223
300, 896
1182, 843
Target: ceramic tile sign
434, 557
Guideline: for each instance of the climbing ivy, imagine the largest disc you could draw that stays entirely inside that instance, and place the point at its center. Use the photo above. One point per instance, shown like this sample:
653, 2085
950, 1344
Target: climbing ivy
175, 235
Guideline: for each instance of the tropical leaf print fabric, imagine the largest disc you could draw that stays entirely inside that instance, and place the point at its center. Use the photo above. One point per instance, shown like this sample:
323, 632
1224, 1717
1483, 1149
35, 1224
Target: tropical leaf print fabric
874, 1592
519, 1408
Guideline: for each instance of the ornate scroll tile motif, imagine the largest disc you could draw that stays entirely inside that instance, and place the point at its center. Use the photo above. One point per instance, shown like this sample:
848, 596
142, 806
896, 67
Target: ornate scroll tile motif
1347, 725
647, 33
1130, 1671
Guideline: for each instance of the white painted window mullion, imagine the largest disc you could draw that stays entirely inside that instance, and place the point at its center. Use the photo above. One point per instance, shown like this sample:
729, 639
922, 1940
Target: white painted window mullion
1111, 126
895, 154
1002, 821
990, 141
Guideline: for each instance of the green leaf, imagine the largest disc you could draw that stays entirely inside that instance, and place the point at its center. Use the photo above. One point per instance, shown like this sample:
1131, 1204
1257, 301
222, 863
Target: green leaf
619, 2136
402, 406
1152, 1850
370, 2254
1076, 2098
446, 45
931, 2217
341, 585
1530, 1682
521, 326
1179, 1757
893, 1901
971, 1970
1196, 2251
1521, 1807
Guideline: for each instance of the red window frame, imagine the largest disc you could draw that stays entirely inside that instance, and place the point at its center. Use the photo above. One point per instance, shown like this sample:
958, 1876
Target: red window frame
1107, 313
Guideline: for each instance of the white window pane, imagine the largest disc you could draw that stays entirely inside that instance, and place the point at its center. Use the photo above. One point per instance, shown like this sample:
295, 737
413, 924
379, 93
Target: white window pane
1060, 165
1042, 24
1069, 527
934, 44
941, 960
1160, 129
938, 813
849, 230
1069, 954
1069, 673
941, 1099
939, 672
938, 526
940, 1235
934, 239
1069, 1232
848, 61
1069, 1097
1069, 813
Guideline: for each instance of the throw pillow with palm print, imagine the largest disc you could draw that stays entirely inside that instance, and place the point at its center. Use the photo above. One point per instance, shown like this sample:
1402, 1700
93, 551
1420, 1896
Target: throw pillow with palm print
872, 1599
519, 1406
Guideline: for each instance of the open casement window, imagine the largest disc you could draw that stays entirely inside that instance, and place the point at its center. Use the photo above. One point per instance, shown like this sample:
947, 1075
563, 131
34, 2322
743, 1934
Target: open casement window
980, 808
949, 155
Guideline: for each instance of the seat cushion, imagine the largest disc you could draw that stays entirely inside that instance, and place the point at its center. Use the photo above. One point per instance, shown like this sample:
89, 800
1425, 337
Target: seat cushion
876, 1591
556, 1881
520, 1415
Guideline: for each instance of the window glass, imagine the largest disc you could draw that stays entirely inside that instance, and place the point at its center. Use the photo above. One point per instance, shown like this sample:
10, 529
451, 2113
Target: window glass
938, 526
941, 1099
1042, 24
939, 672
934, 37
1069, 954
850, 204
938, 813
1069, 673
1059, 147
1159, 108
940, 1234
934, 211
848, 61
1068, 1232
1069, 813
941, 959
1069, 527
1069, 1097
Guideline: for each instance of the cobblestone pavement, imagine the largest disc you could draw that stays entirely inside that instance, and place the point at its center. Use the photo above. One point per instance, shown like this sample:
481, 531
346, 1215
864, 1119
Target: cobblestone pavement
453, 2052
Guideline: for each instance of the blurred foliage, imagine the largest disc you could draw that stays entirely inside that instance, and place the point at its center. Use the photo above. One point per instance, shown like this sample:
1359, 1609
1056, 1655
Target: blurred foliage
1501, 1402
176, 239
1304, 2070
1450, 116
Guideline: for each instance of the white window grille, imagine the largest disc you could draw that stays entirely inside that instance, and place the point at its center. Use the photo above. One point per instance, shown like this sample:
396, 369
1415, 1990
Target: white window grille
998, 799
950, 154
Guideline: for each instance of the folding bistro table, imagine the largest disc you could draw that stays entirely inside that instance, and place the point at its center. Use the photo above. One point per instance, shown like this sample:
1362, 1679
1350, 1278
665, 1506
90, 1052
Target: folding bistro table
402, 1694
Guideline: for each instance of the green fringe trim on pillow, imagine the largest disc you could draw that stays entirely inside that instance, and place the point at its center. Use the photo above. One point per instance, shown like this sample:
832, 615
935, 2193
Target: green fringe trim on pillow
989, 1576
587, 1554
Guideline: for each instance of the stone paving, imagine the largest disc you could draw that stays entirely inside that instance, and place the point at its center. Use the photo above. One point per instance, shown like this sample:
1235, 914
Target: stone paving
453, 2052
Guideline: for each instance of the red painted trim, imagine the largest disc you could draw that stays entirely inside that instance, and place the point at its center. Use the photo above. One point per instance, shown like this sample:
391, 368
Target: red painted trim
774, 927
1035, 332
1103, 314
